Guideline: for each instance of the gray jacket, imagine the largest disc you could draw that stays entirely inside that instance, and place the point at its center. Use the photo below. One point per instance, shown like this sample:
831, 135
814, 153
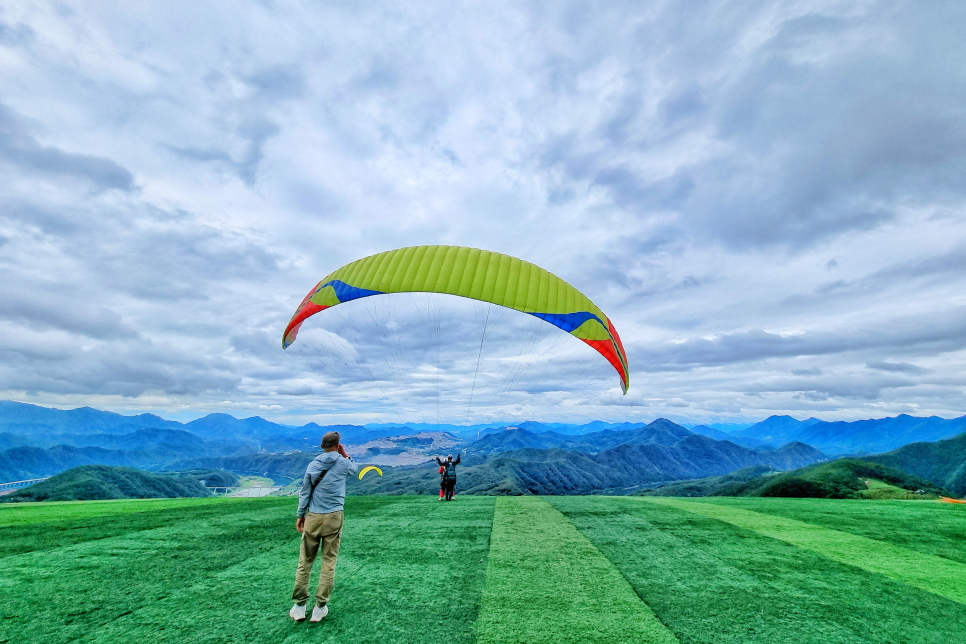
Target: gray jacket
330, 492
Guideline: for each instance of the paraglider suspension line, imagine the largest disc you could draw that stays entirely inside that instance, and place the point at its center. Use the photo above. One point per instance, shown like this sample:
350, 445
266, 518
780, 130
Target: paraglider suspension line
478, 356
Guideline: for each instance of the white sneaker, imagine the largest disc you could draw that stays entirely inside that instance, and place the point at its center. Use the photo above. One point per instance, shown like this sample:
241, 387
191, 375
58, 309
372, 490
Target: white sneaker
297, 613
318, 614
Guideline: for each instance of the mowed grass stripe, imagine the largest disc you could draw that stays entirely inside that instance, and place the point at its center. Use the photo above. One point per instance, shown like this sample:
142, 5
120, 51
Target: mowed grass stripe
713, 582
409, 571
929, 527
251, 595
33, 513
57, 525
56, 595
931, 573
545, 582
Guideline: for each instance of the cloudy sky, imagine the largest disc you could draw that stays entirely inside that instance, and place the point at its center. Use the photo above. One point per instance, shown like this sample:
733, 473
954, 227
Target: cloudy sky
768, 199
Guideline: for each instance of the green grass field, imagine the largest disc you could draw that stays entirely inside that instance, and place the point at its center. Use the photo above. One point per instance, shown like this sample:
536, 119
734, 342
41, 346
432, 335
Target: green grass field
486, 569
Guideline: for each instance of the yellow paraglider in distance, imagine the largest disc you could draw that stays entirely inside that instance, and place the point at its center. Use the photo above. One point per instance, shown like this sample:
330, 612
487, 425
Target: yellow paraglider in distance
369, 469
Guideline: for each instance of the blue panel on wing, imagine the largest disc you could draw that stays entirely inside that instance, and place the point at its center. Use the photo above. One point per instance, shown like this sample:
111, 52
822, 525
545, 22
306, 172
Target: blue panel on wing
567, 321
347, 293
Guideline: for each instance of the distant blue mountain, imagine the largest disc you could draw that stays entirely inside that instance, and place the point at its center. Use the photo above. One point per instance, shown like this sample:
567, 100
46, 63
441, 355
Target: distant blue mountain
880, 435
711, 432
21, 463
856, 437
9, 441
142, 439
601, 426
470, 432
718, 435
225, 426
30, 420
150, 448
87, 436
23, 424
516, 438
604, 461
659, 432
32, 424
534, 426
730, 428
776, 430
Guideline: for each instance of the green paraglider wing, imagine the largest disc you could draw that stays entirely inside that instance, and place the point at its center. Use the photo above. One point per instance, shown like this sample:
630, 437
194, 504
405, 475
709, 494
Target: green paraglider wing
472, 273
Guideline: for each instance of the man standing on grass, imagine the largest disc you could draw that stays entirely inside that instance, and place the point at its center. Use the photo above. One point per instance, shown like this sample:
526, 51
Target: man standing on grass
320, 522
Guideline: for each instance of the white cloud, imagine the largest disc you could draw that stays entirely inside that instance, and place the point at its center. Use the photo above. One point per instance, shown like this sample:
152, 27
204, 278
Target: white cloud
766, 198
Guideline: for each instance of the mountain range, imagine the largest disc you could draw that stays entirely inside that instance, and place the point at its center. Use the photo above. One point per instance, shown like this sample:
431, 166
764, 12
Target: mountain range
718, 435
546, 457
514, 460
661, 431
518, 461
856, 437
41, 426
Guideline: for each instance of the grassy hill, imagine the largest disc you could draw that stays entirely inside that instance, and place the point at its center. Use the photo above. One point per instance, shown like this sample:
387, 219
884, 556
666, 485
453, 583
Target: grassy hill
91, 482
488, 570
943, 463
727, 485
840, 479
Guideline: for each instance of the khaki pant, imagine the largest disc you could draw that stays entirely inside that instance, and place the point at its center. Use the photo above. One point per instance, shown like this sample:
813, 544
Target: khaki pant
325, 531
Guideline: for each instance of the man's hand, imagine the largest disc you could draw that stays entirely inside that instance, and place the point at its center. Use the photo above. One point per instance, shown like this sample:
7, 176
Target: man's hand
300, 524
342, 451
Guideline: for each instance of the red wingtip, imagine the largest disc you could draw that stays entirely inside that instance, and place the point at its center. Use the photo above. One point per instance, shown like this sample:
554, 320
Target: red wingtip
307, 310
608, 349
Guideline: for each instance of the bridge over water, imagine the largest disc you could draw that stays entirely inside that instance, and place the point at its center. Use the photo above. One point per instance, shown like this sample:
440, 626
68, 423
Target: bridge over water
17, 485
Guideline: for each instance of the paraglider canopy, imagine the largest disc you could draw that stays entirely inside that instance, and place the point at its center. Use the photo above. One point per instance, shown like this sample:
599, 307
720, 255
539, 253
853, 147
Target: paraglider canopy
475, 274
370, 468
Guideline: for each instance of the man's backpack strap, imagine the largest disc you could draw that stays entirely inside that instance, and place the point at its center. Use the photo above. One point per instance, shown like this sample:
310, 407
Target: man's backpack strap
316, 484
